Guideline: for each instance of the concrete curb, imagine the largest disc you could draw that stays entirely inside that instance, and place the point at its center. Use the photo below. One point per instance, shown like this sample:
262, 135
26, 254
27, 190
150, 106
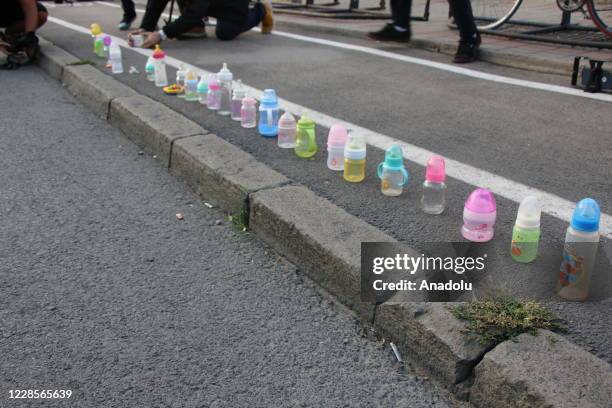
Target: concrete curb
53, 59
486, 54
325, 241
214, 168
92, 88
541, 371
150, 124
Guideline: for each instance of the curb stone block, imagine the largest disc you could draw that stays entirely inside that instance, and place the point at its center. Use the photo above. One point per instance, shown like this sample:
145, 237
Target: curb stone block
221, 172
541, 371
151, 124
431, 333
53, 59
319, 237
93, 88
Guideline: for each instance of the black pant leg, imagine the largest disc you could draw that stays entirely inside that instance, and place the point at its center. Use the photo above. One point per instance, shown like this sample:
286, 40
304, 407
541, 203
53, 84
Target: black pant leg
462, 12
401, 11
227, 30
129, 11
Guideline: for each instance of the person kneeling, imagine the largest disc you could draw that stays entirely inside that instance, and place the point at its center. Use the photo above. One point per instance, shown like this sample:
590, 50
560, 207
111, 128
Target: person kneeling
233, 18
20, 19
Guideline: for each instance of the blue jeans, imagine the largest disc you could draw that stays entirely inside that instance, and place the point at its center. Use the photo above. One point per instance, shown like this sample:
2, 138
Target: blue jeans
227, 30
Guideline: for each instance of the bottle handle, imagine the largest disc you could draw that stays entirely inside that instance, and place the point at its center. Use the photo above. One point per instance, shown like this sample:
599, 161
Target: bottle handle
379, 170
405, 174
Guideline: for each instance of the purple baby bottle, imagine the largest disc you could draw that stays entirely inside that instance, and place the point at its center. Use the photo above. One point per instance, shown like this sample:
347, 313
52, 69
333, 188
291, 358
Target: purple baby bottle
479, 215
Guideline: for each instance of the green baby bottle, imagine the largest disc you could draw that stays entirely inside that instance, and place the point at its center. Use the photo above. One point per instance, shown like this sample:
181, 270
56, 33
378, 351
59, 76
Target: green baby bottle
526, 231
306, 140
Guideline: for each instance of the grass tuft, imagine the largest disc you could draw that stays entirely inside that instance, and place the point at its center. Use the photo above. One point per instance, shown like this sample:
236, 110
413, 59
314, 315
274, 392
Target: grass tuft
494, 321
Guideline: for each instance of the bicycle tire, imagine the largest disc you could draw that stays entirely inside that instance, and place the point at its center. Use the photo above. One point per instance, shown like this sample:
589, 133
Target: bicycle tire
598, 17
494, 15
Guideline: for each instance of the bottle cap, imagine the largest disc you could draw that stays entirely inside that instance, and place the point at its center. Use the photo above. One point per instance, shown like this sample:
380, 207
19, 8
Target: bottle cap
238, 91
355, 147
95, 29
481, 201
158, 53
191, 76
249, 100
529, 213
225, 74
305, 122
202, 85
107, 40
286, 120
269, 98
436, 170
337, 136
213, 83
181, 71
394, 157
586, 216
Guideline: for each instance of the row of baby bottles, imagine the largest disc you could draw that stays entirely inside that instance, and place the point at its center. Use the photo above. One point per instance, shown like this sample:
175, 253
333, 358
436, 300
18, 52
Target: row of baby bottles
347, 152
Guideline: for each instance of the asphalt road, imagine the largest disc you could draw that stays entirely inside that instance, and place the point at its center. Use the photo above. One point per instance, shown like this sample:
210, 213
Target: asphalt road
105, 292
556, 143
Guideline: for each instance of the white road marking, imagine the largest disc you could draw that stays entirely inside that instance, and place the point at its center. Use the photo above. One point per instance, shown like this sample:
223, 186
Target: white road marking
437, 65
512, 190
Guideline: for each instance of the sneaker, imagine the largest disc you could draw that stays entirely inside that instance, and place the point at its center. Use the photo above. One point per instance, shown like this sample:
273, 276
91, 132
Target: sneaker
267, 22
390, 33
467, 51
194, 32
126, 23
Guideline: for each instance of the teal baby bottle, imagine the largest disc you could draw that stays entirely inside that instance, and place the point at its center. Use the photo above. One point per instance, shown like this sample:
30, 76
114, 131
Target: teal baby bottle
392, 172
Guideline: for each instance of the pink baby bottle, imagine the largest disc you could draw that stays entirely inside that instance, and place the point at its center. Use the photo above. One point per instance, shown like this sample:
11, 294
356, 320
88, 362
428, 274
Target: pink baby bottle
479, 215
335, 147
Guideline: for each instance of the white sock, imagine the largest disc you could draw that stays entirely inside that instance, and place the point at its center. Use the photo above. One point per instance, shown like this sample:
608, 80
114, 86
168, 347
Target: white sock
400, 29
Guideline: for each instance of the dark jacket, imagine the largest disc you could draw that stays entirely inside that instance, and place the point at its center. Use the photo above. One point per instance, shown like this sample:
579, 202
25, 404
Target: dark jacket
235, 11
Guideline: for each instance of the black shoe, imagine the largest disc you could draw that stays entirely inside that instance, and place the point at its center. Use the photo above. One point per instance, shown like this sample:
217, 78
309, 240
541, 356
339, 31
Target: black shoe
126, 23
390, 33
467, 50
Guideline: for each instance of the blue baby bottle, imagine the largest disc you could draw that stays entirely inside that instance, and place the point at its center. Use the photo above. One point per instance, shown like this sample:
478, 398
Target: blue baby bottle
268, 114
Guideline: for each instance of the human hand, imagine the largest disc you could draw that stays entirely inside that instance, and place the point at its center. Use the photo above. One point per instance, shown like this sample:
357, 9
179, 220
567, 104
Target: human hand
151, 39
131, 35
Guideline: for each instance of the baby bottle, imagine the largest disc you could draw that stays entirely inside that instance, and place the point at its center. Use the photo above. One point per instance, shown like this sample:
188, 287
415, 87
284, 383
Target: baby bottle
268, 114
114, 55
286, 131
336, 139
392, 173
248, 113
159, 62
107, 43
433, 200
355, 158
213, 99
526, 231
150, 69
479, 215
181, 73
202, 90
579, 251
96, 33
238, 95
305, 138
191, 86
225, 78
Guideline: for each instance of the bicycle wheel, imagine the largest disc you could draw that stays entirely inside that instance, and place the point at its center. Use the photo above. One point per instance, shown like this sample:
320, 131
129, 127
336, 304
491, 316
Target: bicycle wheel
601, 13
493, 13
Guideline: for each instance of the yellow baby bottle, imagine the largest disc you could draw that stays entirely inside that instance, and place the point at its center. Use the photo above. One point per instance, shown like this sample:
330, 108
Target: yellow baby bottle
355, 158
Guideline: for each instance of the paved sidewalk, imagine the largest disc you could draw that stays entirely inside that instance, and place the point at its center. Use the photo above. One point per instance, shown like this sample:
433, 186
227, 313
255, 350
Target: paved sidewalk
435, 34
105, 292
